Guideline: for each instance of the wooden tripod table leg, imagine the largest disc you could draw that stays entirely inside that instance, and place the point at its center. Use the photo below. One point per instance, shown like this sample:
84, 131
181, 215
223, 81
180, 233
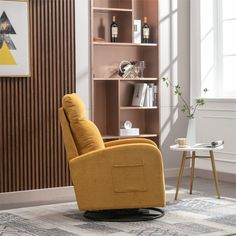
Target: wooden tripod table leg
214, 173
181, 170
192, 172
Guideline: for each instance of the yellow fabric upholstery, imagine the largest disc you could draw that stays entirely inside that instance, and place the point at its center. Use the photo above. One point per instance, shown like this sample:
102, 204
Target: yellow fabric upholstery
128, 141
71, 149
125, 173
86, 135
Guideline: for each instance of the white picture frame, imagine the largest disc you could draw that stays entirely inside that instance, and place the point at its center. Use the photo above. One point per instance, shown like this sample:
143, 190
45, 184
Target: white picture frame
14, 38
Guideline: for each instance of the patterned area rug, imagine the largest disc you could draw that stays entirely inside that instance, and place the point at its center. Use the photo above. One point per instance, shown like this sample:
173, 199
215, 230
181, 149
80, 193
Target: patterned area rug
196, 215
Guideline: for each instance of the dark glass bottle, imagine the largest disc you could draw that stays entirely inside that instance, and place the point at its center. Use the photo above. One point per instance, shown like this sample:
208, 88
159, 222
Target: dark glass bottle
114, 30
145, 31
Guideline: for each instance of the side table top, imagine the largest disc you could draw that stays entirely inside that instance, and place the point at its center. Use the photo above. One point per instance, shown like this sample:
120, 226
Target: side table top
196, 147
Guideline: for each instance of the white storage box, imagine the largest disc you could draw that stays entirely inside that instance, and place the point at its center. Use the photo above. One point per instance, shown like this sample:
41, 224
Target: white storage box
137, 31
129, 132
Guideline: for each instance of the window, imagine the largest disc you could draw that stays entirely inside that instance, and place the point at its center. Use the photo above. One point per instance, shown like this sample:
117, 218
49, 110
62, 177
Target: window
214, 27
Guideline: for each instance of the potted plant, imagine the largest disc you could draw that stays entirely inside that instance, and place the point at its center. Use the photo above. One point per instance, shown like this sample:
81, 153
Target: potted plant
189, 109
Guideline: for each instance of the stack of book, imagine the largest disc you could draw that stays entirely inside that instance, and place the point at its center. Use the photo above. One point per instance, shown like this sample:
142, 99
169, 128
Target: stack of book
145, 95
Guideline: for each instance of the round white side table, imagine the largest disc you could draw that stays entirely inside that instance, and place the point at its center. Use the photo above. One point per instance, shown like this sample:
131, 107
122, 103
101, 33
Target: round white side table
193, 149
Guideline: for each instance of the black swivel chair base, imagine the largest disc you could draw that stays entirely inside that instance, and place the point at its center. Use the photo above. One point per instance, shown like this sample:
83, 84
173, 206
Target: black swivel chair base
125, 215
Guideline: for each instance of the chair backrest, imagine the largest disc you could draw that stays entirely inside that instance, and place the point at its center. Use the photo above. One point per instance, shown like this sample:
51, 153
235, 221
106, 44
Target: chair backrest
86, 135
71, 149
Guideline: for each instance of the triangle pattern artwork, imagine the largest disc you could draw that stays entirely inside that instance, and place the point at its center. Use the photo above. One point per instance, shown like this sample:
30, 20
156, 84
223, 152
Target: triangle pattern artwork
5, 25
6, 57
6, 43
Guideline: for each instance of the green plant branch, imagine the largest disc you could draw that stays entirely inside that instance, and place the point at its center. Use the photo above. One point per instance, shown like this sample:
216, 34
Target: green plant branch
190, 109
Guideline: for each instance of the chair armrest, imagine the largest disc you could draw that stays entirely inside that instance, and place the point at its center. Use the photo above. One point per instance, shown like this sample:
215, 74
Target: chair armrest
102, 177
129, 141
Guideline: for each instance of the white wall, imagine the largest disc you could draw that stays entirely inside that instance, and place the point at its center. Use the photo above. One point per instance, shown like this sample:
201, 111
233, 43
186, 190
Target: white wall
216, 121
82, 13
174, 63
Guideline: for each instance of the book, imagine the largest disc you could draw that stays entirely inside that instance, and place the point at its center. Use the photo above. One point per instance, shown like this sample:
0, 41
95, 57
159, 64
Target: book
213, 144
139, 94
155, 95
151, 95
147, 98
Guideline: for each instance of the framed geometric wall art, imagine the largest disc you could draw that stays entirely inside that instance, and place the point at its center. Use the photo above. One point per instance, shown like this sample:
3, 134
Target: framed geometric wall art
14, 38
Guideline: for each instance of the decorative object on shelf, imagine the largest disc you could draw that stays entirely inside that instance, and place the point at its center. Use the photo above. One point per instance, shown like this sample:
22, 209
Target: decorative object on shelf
142, 66
131, 69
14, 39
145, 31
98, 39
127, 129
137, 31
127, 124
127, 69
129, 132
114, 30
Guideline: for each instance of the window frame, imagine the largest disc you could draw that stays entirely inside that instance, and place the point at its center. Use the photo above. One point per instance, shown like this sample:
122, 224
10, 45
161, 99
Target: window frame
195, 50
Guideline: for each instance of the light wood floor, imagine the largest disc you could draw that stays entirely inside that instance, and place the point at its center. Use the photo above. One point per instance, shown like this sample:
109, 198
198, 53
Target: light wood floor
206, 185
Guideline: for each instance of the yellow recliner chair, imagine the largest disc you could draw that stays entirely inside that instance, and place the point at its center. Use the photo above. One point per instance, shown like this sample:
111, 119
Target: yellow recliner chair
121, 174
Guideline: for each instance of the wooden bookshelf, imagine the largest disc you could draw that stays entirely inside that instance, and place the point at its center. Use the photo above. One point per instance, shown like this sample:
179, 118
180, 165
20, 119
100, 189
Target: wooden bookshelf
111, 94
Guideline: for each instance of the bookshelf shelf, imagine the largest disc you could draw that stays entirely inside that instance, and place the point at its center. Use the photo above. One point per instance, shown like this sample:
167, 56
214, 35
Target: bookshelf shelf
112, 95
138, 108
125, 44
107, 9
127, 79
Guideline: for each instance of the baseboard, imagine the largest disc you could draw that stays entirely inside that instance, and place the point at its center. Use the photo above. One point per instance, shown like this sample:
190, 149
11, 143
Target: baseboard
36, 197
226, 177
174, 172
66, 194
53, 195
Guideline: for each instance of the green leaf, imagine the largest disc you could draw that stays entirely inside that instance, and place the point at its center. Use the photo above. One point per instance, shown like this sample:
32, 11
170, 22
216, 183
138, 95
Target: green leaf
200, 102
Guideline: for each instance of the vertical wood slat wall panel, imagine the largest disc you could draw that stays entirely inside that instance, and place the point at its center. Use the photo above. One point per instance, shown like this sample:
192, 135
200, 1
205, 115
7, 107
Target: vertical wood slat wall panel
32, 154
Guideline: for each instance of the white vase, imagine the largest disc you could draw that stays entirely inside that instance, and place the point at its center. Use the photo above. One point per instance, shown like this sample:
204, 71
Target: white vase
191, 132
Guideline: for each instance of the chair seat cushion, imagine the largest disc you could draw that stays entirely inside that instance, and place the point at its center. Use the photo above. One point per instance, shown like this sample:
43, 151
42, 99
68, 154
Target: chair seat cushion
85, 133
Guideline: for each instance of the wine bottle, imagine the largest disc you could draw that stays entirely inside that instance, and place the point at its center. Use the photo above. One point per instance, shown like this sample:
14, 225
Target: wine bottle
145, 31
114, 30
